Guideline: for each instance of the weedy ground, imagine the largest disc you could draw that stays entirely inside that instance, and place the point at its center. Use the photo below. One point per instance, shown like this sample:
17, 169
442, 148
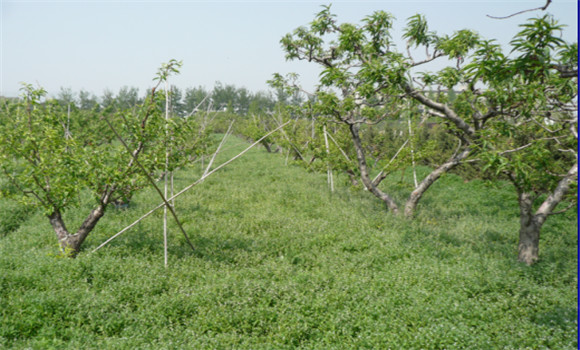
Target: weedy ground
281, 263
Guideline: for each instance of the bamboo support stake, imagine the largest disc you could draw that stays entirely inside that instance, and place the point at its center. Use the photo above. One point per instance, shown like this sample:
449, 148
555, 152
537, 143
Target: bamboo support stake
196, 107
67, 131
328, 168
279, 122
165, 253
412, 152
188, 188
218, 148
165, 202
392, 159
399, 151
339, 148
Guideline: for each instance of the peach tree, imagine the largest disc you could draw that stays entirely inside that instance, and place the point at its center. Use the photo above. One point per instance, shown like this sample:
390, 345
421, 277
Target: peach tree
48, 159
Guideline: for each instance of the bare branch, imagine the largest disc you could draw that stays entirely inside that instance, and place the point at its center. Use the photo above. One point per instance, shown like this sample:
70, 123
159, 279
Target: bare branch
564, 210
557, 195
515, 149
409, 53
427, 60
442, 108
26, 192
566, 72
543, 8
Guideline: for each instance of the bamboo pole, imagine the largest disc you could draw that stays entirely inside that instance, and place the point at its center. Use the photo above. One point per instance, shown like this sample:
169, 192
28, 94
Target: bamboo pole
196, 107
67, 131
218, 148
328, 167
165, 185
392, 159
399, 151
188, 187
412, 152
279, 122
148, 177
340, 149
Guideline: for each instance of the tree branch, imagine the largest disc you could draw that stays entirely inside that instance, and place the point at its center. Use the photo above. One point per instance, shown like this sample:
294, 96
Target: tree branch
146, 173
543, 8
563, 210
442, 108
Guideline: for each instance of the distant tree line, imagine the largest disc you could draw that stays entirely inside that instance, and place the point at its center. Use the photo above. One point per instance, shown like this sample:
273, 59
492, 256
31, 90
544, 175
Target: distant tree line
223, 97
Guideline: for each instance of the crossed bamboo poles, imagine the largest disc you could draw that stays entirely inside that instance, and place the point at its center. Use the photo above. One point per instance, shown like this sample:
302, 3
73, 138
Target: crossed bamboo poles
166, 201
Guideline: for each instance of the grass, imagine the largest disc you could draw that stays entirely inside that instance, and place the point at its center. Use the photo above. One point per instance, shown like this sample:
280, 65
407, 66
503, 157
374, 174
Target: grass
280, 263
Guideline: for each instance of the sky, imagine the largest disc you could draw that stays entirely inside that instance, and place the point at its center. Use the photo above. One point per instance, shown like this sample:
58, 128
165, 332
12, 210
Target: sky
99, 45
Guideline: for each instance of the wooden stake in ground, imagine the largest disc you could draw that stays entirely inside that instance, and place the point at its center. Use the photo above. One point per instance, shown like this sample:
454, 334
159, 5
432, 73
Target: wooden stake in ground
188, 188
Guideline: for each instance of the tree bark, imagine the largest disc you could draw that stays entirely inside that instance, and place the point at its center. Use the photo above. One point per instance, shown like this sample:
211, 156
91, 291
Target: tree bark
447, 113
531, 223
528, 246
362, 163
70, 244
416, 195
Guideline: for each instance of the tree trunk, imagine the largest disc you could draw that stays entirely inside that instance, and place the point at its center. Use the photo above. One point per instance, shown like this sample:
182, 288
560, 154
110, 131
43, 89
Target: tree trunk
528, 247
267, 146
71, 244
531, 223
416, 195
362, 163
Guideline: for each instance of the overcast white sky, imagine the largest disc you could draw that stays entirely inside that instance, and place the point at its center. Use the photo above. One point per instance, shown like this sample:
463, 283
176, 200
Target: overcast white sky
98, 45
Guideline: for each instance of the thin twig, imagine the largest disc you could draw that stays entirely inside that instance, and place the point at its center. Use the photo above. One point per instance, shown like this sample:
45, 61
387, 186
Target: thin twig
563, 210
515, 149
543, 8
290, 141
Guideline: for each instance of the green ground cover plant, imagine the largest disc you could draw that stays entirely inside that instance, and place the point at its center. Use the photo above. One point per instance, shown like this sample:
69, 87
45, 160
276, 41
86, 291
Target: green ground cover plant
282, 263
